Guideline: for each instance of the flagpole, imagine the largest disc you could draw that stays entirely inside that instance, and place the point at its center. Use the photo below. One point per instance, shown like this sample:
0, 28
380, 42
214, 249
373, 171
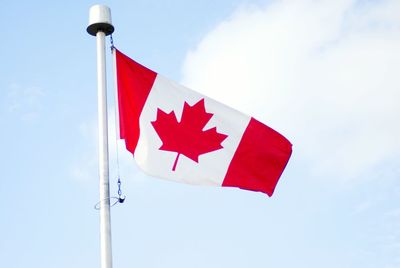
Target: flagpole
100, 26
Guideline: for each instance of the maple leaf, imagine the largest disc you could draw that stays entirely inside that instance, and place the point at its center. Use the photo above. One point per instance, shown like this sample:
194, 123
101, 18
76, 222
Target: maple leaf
187, 137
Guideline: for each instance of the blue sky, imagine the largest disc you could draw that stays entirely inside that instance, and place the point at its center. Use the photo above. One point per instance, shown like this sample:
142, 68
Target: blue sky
323, 73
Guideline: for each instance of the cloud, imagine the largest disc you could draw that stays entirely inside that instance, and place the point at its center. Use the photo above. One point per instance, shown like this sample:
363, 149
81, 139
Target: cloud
25, 102
85, 169
323, 73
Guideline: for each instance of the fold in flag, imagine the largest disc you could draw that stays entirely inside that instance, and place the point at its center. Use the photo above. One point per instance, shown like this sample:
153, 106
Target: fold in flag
178, 134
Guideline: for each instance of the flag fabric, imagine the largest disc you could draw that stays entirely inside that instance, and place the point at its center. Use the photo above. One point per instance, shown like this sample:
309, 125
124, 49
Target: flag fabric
178, 134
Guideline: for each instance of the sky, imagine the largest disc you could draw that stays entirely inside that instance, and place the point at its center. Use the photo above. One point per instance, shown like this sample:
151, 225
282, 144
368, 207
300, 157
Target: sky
322, 73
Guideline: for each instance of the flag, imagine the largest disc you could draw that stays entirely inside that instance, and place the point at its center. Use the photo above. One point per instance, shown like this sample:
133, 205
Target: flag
181, 135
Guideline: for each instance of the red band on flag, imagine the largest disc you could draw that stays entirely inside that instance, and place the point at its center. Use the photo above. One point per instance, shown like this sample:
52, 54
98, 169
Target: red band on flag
134, 83
259, 160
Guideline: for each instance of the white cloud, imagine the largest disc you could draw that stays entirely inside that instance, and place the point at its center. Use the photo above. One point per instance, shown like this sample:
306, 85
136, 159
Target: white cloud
85, 169
323, 73
25, 102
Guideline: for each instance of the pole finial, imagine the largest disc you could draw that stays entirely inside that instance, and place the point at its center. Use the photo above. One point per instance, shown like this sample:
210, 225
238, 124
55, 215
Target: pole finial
100, 20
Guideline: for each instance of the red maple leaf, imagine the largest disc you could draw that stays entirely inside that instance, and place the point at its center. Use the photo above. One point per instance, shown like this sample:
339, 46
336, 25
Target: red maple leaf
187, 136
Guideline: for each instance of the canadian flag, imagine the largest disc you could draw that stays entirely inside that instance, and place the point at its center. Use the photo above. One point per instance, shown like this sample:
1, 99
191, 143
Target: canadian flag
178, 134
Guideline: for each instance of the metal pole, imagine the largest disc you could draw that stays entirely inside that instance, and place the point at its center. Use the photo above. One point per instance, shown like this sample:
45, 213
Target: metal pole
100, 26
105, 222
